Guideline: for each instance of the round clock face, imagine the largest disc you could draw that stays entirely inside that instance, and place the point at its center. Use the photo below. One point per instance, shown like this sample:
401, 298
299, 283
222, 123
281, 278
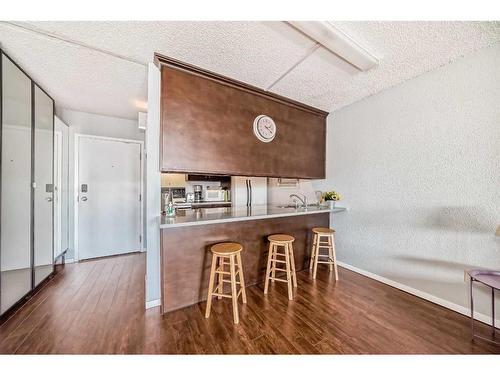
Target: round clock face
264, 128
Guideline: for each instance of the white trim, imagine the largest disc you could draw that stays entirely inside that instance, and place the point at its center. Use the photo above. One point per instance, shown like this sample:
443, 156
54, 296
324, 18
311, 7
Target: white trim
77, 137
424, 295
153, 303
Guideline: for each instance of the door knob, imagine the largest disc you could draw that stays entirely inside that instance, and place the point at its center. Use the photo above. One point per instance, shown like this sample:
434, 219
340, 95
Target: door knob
84, 199
48, 199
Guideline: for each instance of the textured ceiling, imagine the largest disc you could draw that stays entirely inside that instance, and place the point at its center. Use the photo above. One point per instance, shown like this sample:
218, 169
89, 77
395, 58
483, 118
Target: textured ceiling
100, 67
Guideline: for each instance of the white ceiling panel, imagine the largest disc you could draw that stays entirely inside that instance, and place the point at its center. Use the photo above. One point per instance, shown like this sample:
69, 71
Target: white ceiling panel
100, 67
405, 49
77, 77
253, 52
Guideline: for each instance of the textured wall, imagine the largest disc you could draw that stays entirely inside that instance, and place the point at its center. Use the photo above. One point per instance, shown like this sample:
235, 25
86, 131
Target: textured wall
419, 168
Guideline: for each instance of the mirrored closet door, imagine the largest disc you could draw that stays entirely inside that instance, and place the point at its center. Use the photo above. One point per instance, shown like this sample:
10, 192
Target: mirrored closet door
15, 224
28, 168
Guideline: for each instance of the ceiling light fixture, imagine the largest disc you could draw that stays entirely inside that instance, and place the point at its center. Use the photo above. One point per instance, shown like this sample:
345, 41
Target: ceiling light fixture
338, 42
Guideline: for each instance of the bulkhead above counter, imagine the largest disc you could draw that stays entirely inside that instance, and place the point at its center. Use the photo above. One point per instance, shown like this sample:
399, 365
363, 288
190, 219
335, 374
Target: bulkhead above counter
214, 125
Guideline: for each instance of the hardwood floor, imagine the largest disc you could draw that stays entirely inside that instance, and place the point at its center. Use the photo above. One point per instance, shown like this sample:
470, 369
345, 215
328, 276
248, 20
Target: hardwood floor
98, 307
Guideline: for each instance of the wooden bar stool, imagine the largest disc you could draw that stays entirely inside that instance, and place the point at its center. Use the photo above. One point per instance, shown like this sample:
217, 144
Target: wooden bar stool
230, 252
277, 241
323, 238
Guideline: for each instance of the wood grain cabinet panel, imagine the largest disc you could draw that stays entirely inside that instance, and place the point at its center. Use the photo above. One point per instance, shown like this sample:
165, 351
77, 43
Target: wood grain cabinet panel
207, 127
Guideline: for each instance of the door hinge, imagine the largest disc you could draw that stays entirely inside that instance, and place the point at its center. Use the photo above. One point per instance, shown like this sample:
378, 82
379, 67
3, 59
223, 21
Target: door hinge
140, 238
140, 197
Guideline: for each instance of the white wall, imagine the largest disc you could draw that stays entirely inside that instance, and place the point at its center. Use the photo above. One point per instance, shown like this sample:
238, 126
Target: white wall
277, 195
89, 123
153, 190
419, 168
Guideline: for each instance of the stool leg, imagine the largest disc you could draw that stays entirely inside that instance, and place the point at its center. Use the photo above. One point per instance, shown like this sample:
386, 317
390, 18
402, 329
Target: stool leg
311, 262
288, 273
330, 253
234, 293
211, 285
275, 250
220, 287
316, 256
242, 279
334, 259
292, 261
268, 269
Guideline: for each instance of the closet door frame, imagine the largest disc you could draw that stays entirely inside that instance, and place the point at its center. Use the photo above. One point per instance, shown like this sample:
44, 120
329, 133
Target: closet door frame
33, 184
34, 289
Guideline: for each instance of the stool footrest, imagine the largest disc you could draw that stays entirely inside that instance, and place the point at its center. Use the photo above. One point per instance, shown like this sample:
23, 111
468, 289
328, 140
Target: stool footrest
279, 269
278, 261
221, 295
326, 262
229, 281
276, 279
226, 272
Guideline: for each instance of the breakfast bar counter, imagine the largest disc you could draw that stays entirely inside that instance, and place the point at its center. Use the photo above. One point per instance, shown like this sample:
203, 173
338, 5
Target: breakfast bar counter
186, 240
201, 216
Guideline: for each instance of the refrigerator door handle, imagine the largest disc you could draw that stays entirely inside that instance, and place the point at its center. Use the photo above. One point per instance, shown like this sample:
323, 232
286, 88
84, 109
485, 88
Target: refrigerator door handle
248, 191
251, 193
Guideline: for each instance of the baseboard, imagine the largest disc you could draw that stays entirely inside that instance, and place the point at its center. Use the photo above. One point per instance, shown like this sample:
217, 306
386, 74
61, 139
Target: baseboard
153, 303
67, 261
429, 297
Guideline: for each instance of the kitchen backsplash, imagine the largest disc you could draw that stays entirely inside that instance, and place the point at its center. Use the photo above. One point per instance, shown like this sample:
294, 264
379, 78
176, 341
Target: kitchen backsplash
277, 195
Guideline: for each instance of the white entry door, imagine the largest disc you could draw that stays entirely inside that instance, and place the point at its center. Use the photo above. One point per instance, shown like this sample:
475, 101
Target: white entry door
109, 201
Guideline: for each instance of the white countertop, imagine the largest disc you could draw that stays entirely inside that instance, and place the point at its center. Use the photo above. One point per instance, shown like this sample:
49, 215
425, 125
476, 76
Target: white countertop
203, 216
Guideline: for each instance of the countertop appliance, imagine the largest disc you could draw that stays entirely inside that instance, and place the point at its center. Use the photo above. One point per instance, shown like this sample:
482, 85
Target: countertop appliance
198, 193
249, 191
175, 194
214, 195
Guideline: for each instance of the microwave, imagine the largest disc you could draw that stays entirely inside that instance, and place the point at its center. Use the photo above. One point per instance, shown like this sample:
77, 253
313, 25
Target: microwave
214, 195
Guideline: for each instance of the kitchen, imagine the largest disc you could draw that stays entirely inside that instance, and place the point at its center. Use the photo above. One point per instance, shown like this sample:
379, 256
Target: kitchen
214, 200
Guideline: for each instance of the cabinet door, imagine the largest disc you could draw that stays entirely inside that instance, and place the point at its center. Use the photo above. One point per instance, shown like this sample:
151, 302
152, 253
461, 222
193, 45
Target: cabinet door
15, 245
44, 185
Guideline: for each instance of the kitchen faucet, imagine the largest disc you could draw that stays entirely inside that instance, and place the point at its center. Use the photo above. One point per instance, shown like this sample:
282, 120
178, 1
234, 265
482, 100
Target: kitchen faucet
302, 199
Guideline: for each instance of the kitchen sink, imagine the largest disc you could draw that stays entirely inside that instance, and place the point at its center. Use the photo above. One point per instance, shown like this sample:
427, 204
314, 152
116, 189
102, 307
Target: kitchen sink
293, 206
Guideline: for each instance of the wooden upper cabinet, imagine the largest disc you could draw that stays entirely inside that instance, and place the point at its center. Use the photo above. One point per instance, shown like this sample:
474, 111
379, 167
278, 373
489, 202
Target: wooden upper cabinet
207, 127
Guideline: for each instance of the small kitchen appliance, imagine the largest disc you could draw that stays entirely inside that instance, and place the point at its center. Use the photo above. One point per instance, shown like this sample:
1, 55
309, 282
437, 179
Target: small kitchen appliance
214, 195
198, 193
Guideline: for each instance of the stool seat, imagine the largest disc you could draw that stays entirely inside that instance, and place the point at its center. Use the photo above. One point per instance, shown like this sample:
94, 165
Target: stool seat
282, 238
323, 230
226, 248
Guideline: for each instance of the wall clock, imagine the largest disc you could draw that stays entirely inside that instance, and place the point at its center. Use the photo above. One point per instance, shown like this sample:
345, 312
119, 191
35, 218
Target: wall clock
264, 128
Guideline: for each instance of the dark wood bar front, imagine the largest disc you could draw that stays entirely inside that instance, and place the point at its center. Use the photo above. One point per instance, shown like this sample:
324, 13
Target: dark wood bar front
186, 258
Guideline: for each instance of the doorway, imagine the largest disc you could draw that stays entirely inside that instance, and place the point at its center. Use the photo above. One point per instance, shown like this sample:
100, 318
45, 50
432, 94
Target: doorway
108, 204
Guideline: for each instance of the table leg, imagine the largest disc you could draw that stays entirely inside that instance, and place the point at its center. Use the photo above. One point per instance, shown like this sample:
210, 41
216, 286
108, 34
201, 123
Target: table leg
493, 311
471, 309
